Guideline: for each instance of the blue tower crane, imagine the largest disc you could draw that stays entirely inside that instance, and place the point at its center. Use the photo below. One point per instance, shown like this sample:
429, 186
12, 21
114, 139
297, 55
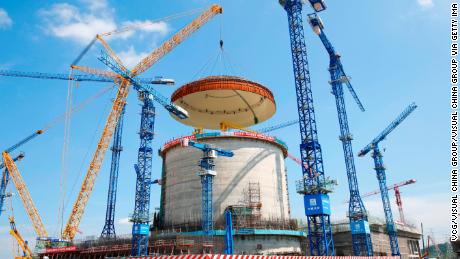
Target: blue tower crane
381, 175
108, 231
143, 168
207, 174
360, 232
314, 185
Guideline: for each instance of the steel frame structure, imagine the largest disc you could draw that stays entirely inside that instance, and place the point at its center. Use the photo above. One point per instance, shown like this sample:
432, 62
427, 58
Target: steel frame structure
108, 231
143, 168
381, 175
361, 237
319, 224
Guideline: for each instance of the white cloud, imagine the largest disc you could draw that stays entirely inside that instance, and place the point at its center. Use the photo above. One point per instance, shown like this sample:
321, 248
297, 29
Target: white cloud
5, 20
425, 3
130, 57
95, 5
124, 221
68, 21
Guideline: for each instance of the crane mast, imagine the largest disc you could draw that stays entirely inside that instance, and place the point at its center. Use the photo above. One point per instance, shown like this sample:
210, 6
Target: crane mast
314, 189
82, 78
381, 175
359, 225
141, 216
207, 175
108, 230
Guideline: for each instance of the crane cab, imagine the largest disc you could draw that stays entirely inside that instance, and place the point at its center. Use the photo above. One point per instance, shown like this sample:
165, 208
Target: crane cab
316, 23
318, 5
178, 111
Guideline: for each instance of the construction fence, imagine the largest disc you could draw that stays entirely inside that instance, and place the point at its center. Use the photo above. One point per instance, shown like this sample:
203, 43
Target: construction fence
216, 256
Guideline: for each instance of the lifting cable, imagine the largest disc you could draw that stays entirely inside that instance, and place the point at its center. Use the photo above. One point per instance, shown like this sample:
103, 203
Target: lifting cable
134, 27
77, 108
88, 151
64, 153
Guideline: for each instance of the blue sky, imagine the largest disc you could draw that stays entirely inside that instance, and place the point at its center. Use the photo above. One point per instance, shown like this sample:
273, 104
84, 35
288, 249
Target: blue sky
395, 51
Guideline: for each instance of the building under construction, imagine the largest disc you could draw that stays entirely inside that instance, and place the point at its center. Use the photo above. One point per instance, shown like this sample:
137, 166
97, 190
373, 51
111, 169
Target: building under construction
264, 238
224, 188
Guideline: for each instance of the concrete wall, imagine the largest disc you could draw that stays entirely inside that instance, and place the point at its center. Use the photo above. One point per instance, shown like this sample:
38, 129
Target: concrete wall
380, 242
242, 244
253, 161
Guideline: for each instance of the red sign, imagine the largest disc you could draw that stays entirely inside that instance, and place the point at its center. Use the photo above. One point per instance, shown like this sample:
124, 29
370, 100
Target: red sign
61, 249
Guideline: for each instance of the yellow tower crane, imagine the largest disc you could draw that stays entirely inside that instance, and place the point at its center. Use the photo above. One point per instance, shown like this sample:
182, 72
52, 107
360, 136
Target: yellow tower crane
79, 206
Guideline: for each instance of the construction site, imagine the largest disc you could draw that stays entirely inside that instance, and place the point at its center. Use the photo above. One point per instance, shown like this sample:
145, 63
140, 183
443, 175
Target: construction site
224, 187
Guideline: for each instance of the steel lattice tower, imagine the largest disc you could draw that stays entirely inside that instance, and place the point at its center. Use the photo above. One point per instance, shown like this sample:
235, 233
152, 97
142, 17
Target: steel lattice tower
360, 232
381, 177
381, 174
109, 227
141, 215
315, 195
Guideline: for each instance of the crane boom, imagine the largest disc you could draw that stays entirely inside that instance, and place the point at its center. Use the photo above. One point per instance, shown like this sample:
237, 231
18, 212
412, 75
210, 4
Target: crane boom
103, 78
278, 126
381, 177
111, 52
22, 142
177, 39
391, 187
388, 129
318, 26
399, 204
26, 199
86, 189
126, 74
79, 206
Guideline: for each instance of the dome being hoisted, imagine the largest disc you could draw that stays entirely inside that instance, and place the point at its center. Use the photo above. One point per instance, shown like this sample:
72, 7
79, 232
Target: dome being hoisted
215, 99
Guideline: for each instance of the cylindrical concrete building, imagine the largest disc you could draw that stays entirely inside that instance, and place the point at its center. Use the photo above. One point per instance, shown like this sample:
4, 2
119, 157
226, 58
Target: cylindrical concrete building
257, 160
253, 183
